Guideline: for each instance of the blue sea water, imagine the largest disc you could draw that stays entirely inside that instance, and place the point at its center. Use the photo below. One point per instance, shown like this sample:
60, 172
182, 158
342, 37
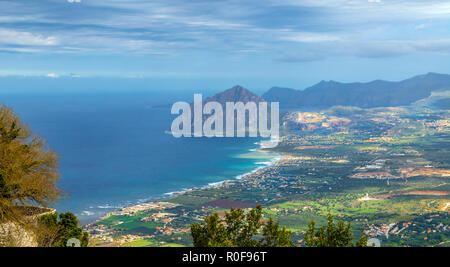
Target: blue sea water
115, 150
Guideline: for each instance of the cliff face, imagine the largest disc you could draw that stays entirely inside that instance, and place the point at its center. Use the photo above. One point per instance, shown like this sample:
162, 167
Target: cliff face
14, 234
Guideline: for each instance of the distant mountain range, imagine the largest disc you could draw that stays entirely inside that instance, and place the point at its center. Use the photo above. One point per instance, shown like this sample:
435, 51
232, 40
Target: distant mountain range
377, 93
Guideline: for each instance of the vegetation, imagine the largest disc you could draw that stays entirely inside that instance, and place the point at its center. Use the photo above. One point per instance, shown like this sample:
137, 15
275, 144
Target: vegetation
28, 177
339, 235
28, 171
55, 233
240, 230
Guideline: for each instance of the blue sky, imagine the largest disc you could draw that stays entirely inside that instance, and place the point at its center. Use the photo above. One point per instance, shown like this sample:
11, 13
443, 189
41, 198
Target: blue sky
214, 43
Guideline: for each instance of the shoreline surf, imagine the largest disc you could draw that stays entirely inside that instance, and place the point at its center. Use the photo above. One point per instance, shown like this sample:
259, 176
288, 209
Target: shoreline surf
170, 195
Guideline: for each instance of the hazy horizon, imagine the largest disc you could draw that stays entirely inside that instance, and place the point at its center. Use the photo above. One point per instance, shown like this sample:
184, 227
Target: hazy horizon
82, 85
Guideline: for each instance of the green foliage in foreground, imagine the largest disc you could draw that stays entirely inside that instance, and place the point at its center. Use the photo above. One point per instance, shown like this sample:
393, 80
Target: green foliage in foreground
339, 235
240, 230
56, 233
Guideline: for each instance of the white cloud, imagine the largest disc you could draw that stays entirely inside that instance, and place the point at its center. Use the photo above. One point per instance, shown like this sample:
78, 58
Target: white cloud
14, 18
25, 38
310, 37
364, 27
20, 49
52, 75
422, 26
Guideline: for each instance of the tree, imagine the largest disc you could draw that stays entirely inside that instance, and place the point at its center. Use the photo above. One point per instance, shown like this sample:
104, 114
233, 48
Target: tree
339, 235
210, 233
239, 229
28, 177
28, 170
56, 233
274, 236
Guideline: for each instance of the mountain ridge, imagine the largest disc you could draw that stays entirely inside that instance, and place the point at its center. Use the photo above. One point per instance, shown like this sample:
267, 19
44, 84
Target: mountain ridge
377, 93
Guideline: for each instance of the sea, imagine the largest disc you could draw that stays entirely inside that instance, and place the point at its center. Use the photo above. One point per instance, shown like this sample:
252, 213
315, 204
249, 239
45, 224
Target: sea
116, 150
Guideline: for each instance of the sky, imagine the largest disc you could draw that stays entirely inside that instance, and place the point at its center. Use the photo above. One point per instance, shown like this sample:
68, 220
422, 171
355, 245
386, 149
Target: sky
214, 43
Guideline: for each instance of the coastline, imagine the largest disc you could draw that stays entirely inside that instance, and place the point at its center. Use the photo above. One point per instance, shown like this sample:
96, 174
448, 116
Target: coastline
219, 184
171, 195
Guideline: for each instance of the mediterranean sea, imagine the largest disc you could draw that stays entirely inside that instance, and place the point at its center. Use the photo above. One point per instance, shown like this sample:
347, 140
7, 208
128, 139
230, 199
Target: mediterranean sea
115, 150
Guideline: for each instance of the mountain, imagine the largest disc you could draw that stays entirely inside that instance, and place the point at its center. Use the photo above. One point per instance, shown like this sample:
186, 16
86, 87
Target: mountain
443, 103
235, 94
377, 93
